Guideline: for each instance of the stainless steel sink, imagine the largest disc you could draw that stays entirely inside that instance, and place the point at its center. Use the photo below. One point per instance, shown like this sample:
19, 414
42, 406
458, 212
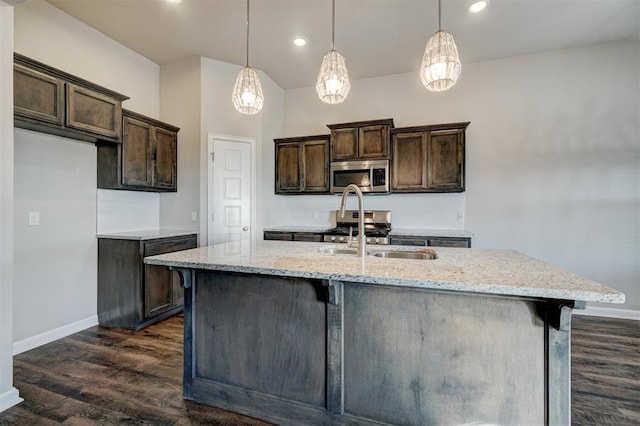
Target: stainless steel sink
425, 254
338, 250
422, 254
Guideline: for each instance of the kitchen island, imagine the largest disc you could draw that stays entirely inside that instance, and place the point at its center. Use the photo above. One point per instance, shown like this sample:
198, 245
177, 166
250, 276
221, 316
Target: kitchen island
294, 333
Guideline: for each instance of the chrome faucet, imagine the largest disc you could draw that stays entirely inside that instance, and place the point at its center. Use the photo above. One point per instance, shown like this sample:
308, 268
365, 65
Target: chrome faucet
362, 240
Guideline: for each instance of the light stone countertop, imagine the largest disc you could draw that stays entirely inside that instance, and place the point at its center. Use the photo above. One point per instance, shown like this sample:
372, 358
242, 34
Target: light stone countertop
147, 234
498, 272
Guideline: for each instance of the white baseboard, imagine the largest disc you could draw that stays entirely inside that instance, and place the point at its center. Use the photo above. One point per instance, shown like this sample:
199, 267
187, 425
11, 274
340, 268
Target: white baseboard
52, 335
9, 398
597, 311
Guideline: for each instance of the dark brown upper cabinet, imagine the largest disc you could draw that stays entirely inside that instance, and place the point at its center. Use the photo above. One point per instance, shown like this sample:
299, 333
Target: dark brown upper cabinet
52, 101
428, 158
145, 161
302, 165
365, 140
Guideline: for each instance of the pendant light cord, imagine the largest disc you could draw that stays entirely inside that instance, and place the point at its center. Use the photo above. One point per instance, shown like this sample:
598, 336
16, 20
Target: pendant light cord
247, 32
333, 25
439, 15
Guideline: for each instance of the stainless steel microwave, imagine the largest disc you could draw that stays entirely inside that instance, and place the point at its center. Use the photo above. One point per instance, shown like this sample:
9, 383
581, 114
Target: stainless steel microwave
371, 176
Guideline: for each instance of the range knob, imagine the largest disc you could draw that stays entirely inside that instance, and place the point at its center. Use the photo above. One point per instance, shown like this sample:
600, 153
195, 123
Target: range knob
333, 238
368, 240
377, 240
341, 239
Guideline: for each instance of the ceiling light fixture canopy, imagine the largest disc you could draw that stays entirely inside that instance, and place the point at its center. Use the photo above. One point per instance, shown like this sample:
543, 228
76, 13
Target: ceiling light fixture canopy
440, 66
247, 92
333, 79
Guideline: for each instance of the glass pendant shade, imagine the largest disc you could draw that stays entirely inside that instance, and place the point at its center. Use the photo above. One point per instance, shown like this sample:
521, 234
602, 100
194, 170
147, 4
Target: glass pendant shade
333, 79
440, 66
247, 92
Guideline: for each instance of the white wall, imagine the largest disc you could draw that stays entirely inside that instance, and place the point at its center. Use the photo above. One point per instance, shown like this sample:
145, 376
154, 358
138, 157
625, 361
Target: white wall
8, 394
210, 82
56, 178
48, 35
552, 156
180, 95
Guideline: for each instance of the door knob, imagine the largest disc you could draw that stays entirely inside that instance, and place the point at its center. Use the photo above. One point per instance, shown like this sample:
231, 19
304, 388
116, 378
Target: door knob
245, 228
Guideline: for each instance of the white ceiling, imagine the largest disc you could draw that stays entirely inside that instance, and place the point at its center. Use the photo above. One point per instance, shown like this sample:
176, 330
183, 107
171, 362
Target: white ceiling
377, 37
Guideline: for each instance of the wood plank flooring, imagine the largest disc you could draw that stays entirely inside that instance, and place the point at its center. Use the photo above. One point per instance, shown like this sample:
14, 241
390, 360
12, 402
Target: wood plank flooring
114, 376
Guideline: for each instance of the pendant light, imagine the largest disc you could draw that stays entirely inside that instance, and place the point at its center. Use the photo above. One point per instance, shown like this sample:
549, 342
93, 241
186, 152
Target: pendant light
247, 92
440, 66
333, 79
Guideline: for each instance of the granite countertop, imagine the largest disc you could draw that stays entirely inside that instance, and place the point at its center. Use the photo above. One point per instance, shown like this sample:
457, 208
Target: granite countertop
147, 234
421, 232
498, 272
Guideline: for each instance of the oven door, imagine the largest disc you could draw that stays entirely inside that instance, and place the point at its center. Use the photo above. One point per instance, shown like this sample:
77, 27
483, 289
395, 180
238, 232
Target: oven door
369, 176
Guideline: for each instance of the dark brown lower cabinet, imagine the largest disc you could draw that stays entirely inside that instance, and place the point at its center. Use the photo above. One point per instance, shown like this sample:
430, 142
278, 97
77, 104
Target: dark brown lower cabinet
460, 242
314, 237
134, 295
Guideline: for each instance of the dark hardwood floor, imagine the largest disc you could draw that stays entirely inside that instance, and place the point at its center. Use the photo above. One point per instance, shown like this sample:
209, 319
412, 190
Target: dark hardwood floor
113, 376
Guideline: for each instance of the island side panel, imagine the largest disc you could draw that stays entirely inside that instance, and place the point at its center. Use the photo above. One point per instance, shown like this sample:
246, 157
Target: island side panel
262, 334
424, 357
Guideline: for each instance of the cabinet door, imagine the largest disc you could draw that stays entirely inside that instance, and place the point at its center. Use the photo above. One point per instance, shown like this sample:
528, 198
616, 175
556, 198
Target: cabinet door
445, 156
165, 159
409, 171
137, 155
162, 289
178, 291
288, 168
38, 96
315, 165
373, 142
158, 290
344, 144
93, 112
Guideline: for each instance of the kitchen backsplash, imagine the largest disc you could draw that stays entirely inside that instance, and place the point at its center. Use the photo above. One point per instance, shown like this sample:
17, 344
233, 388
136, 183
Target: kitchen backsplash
120, 211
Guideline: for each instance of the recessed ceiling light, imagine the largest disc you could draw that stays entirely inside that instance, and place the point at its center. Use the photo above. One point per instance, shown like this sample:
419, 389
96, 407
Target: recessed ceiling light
299, 41
174, 1
478, 6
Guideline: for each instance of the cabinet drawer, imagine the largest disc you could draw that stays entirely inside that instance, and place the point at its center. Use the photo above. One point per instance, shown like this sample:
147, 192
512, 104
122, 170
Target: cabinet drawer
408, 241
93, 112
168, 246
283, 236
450, 242
314, 238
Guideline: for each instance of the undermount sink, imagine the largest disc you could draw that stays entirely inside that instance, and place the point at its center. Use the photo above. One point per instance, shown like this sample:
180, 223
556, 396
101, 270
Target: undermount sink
420, 255
338, 250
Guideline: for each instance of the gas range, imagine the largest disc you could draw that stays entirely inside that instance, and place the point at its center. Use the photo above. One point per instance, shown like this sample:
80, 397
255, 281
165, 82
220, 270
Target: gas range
377, 225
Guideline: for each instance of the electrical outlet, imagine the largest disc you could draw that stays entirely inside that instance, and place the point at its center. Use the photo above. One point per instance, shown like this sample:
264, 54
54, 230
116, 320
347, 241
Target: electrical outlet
194, 216
34, 218
315, 215
460, 216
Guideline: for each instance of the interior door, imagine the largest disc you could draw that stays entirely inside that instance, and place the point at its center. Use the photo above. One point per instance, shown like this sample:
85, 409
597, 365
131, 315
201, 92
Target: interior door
231, 196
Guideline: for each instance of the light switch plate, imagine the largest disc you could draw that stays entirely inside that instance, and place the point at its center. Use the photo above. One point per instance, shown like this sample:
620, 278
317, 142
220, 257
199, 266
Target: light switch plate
34, 218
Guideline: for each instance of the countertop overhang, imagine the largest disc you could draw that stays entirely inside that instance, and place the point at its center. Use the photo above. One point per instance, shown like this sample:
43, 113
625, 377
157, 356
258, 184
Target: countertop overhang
486, 271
